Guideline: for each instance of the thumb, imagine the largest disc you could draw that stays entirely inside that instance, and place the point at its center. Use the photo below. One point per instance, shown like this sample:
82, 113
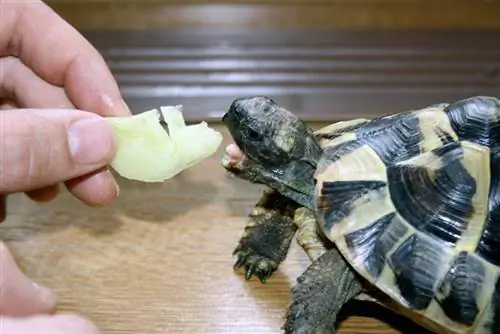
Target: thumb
19, 296
39, 148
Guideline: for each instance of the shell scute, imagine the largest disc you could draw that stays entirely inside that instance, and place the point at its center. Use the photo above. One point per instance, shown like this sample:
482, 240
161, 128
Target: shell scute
428, 234
370, 245
459, 291
417, 265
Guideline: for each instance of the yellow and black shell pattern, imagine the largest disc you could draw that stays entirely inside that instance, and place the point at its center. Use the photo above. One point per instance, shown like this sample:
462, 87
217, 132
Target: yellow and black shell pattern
412, 201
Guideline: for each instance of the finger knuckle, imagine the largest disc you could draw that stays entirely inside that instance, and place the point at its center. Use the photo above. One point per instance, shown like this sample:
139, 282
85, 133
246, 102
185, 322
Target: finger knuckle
18, 166
28, 156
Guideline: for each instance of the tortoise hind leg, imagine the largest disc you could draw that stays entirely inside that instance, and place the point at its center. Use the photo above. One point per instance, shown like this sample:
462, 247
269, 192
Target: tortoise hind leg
268, 233
324, 288
308, 236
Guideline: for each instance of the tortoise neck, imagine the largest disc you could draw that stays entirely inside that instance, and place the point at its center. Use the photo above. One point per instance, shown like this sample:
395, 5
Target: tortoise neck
300, 187
295, 179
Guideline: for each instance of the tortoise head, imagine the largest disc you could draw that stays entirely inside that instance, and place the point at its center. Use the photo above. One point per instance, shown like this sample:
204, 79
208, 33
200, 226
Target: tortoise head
264, 132
278, 148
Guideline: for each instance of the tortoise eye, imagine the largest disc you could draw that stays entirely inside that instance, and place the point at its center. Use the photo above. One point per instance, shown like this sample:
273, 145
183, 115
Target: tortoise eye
266, 109
254, 135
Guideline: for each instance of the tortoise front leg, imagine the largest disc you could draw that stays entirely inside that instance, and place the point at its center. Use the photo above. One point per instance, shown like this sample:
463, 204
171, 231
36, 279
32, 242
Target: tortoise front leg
268, 233
324, 288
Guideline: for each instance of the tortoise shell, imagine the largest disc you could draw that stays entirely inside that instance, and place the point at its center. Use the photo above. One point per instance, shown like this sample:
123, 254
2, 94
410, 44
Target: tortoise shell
412, 201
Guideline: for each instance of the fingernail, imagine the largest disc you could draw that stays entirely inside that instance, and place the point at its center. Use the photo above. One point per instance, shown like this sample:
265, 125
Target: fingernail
46, 295
113, 181
90, 141
116, 186
126, 108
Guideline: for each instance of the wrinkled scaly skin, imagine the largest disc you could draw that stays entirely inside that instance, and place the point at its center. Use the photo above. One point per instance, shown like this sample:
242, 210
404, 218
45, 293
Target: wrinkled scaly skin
267, 236
281, 152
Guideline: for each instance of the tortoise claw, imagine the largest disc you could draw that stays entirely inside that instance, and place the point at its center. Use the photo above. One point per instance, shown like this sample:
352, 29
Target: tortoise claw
239, 262
237, 249
249, 272
254, 264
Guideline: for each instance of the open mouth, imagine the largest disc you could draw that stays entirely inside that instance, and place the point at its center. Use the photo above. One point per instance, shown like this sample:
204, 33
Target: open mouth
233, 156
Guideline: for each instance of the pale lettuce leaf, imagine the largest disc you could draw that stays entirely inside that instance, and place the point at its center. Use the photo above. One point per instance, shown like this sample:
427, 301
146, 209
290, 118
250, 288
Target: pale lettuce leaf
146, 152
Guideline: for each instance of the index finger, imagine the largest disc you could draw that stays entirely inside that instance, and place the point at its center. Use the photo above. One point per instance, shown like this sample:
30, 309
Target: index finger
60, 55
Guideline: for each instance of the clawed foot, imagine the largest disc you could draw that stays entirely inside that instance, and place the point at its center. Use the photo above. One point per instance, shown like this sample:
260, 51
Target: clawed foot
270, 229
254, 264
319, 295
303, 314
247, 257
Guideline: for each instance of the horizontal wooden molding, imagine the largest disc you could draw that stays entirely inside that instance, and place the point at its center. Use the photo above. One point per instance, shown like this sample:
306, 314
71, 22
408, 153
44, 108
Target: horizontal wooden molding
319, 75
307, 2
282, 14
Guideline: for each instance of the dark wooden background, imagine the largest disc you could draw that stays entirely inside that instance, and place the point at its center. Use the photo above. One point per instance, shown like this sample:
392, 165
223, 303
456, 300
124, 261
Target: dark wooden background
325, 60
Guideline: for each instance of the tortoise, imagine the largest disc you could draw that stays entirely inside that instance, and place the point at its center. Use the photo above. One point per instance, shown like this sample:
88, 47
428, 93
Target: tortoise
402, 210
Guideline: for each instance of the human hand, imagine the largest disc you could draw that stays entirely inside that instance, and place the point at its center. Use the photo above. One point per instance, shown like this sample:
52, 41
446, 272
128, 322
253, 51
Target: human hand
27, 307
46, 64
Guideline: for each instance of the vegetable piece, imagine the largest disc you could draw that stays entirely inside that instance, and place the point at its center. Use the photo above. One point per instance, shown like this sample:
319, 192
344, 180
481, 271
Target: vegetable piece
147, 152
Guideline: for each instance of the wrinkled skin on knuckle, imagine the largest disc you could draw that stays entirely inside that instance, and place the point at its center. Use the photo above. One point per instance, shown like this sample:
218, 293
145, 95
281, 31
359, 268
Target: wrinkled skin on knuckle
18, 166
29, 153
15, 154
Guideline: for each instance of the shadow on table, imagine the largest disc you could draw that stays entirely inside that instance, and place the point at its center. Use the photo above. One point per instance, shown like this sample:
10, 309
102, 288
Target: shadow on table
151, 202
161, 203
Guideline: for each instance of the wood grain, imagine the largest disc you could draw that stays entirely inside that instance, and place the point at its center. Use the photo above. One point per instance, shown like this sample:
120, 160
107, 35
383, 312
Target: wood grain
321, 76
159, 259
302, 14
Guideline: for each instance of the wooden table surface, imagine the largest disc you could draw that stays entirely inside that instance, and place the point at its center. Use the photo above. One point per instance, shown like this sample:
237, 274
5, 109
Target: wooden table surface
159, 259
